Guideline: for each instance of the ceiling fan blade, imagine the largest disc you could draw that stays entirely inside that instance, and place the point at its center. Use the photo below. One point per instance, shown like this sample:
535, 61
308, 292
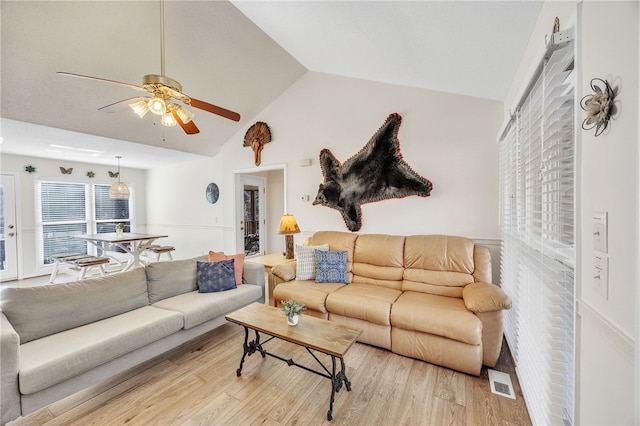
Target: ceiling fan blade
215, 109
131, 86
189, 128
120, 105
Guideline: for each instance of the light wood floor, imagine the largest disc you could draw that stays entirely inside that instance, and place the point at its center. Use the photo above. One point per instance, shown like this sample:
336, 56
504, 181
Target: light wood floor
197, 385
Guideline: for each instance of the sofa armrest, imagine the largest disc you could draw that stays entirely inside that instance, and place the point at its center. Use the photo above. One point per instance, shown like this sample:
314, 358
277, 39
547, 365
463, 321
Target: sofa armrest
286, 270
253, 273
485, 297
9, 365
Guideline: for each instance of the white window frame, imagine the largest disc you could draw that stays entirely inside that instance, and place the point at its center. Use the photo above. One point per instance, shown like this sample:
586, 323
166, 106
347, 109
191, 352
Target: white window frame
90, 218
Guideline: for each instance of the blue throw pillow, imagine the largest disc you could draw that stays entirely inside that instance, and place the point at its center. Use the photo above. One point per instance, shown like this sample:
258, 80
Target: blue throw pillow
331, 267
216, 276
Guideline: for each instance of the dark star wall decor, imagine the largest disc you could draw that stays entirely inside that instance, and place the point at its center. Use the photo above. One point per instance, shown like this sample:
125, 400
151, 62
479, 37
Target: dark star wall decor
378, 172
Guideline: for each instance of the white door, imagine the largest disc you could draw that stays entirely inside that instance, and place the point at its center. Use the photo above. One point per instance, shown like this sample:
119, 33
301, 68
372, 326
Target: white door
251, 215
8, 229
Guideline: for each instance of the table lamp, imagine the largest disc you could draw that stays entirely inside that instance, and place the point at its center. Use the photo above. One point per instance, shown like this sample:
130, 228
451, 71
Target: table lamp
288, 227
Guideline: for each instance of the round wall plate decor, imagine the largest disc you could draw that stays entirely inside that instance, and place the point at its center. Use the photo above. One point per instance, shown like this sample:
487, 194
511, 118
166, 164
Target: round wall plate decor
213, 192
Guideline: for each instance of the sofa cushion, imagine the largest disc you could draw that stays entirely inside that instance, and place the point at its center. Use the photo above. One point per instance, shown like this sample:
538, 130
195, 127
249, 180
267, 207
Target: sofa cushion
376, 266
439, 253
167, 279
331, 267
198, 308
50, 360
438, 264
365, 302
216, 276
313, 295
306, 261
41, 311
450, 284
437, 315
238, 265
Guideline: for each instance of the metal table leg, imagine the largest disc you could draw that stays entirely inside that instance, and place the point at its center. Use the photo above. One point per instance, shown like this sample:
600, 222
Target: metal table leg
337, 378
249, 348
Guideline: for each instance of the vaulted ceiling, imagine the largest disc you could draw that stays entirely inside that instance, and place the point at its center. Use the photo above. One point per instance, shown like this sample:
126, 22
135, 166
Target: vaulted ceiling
240, 55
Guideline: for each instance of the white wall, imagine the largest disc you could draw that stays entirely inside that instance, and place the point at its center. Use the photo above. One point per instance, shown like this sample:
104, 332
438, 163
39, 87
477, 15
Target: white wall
275, 207
50, 169
449, 139
177, 206
607, 181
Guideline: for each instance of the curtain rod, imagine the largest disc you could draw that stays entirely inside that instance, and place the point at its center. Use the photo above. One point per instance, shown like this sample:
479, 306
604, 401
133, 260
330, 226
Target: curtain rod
553, 43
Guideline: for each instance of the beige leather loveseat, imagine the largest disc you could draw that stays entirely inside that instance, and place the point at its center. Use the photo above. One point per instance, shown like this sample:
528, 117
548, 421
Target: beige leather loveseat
428, 297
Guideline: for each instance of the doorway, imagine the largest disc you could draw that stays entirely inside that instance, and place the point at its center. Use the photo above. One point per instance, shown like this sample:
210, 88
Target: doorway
253, 215
271, 204
8, 229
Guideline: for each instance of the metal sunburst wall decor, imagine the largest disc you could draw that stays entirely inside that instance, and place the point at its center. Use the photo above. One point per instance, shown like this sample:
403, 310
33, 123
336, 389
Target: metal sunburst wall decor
599, 106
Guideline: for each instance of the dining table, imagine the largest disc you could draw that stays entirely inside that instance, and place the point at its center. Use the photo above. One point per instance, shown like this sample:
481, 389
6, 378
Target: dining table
130, 242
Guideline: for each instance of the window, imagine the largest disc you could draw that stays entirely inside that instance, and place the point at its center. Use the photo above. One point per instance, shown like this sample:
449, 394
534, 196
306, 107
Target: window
537, 192
66, 209
108, 212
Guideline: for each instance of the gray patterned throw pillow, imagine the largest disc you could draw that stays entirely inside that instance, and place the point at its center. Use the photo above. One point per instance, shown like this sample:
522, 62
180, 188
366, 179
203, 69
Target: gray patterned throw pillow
216, 276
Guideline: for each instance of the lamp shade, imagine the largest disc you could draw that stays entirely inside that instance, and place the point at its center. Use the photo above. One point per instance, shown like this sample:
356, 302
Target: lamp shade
140, 107
288, 225
168, 120
157, 105
119, 191
184, 114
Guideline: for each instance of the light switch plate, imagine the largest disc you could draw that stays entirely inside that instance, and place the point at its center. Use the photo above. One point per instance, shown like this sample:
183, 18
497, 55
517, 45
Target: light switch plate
601, 275
600, 231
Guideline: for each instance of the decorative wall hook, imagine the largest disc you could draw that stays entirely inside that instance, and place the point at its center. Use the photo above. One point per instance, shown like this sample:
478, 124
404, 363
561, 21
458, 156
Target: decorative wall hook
599, 106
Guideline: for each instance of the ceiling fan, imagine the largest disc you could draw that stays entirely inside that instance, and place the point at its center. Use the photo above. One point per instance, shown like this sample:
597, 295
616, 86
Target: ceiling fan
163, 95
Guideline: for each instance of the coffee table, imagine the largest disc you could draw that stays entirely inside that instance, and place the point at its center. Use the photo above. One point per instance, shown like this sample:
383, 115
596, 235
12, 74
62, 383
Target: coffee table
314, 334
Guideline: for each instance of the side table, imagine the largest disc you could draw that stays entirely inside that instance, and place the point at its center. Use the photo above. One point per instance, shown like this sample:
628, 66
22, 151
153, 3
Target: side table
268, 261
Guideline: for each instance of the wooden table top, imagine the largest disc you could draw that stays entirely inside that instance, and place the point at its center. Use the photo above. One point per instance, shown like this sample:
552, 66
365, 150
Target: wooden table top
112, 237
314, 333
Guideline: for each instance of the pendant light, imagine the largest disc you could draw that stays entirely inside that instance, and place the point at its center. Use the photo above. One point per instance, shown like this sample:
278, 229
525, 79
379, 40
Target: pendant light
119, 190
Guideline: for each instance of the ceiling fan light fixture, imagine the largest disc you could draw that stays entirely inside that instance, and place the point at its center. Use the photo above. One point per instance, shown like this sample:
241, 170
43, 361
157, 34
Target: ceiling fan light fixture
184, 114
157, 105
168, 120
140, 108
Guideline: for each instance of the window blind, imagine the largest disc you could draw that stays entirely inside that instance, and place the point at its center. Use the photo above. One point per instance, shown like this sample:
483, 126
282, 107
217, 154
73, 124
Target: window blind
62, 214
109, 212
66, 209
537, 197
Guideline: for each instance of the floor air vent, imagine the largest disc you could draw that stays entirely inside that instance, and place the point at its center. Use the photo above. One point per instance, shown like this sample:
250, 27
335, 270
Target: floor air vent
501, 384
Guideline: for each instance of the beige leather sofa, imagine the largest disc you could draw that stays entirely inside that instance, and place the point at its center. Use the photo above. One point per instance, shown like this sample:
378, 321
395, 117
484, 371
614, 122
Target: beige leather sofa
428, 297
